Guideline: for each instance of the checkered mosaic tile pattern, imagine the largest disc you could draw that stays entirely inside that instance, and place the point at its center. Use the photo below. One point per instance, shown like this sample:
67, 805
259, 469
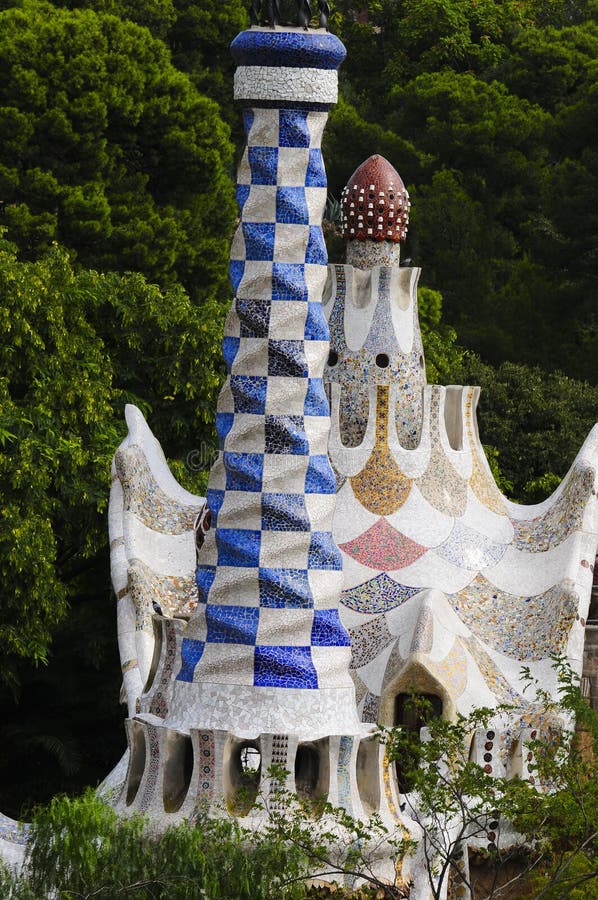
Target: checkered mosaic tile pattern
270, 575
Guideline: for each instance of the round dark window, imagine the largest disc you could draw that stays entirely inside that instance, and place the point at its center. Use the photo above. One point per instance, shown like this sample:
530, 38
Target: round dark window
332, 358
382, 360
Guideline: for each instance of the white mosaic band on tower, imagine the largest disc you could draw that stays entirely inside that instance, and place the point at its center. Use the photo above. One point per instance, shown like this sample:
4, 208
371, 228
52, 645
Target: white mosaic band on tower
265, 650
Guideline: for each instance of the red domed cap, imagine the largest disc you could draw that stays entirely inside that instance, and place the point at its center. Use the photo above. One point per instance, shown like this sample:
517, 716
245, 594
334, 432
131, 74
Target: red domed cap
375, 203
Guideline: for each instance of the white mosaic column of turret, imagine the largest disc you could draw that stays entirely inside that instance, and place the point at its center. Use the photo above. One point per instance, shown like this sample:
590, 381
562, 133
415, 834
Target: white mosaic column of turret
266, 651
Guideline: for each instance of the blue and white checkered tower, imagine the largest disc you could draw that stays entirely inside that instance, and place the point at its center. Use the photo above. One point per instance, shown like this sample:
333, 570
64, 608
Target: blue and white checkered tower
266, 651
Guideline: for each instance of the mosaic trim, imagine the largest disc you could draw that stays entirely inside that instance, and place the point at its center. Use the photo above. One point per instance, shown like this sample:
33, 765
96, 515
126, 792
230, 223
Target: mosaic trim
563, 518
146, 500
377, 595
282, 83
206, 769
381, 487
482, 483
383, 547
526, 628
152, 767
345, 753
159, 701
173, 595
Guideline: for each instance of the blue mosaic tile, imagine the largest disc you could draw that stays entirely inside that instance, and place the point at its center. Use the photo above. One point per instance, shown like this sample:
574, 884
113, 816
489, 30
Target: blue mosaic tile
214, 500
291, 206
316, 327
316, 174
286, 434
293, 130
296, 49
327, 630
231, 624
191, 653
284, 512
230, 347
323, 552
236, 267
242, 195
320, 479
284, 667
224, 423
259, 240
205, 578
248, 117
249, 393
263, 162
238, 547
285, 589
254, 317
287, 358
316, 401
316, 253
243, 471
288, 281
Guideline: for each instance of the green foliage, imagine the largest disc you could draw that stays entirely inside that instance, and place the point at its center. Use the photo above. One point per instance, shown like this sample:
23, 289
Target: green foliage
536, 422
80, 848
110, 150
454, 798
487, 109
80, 345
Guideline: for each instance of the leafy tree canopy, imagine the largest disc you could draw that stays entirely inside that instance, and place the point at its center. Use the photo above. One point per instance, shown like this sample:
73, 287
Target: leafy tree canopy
80, 344
110, 150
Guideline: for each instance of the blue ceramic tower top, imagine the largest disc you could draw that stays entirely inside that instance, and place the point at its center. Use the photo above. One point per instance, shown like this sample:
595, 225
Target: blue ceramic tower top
296, 49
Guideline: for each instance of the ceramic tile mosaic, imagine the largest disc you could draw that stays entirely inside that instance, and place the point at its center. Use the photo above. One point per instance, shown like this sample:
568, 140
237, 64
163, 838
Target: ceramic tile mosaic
145, 499
368, 641
175, 596
377, 595
481, 481
561, 519
527, 628
383, 547
266, 656
441, 485
380, 359
467, 548
381, 487
375, 204
272, 407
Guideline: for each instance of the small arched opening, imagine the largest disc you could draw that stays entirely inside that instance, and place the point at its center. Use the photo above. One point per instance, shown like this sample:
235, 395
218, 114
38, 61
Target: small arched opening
137, 764
413, 712
178, 768
242, 771
312, 770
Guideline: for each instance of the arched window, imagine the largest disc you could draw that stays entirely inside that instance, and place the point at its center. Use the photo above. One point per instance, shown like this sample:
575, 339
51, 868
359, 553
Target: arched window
412, 712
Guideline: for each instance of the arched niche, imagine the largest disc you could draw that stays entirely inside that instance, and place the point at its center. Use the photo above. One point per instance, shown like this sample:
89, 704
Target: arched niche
242, 772
178, 768
137, 764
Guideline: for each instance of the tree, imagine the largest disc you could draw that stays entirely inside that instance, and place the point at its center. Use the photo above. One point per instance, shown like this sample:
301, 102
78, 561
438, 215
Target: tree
536, 422
110, 150
71, 361
198, 34
549, 827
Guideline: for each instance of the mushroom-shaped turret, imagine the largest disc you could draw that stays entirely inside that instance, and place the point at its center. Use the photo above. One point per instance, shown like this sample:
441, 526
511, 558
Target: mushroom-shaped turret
375, 207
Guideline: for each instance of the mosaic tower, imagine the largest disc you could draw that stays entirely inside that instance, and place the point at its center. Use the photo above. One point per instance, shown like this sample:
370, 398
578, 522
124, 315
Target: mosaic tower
376, 359
269, 576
